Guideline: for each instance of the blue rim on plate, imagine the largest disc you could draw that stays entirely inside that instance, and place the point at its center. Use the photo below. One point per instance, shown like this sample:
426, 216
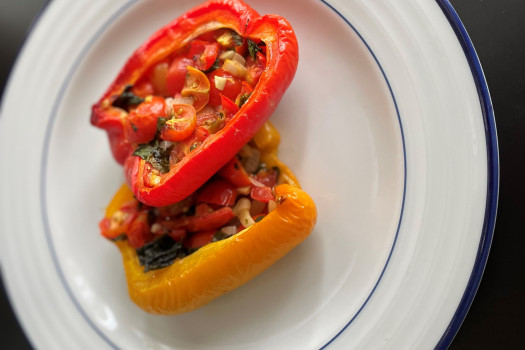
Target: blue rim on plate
492, 159
491, 207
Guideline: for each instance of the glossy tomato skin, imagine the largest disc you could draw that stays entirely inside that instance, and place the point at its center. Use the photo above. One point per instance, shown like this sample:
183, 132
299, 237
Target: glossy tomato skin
203, 53
262, 194
234, 172
177, 74
218, 192
232, 88
199, 239
141, 123
211, 220
255, 68
139, 232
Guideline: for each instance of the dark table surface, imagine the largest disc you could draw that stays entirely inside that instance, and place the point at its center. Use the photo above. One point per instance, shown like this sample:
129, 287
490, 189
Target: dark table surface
497, 27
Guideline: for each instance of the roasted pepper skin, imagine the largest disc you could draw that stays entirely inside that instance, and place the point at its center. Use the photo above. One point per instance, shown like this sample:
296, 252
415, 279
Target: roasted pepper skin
220, 267
197, 167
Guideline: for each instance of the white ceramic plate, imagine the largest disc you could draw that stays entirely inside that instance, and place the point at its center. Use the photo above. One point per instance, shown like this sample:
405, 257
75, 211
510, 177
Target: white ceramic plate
388, 124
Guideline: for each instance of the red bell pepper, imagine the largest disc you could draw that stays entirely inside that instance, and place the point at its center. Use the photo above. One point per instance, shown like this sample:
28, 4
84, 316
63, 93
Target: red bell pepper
272, 36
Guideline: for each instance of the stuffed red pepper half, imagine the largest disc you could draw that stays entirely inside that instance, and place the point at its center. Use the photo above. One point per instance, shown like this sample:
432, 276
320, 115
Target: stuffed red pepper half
193, 95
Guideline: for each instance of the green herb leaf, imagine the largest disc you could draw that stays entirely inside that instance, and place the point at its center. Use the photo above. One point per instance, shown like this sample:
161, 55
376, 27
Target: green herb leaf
160, 253
127, 99
152, 153
253, 48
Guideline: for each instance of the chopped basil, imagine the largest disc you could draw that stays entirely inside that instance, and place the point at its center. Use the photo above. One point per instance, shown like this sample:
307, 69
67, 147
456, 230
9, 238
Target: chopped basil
259, 218
127, 99
152, 153
253, 48
160, 253
134, 127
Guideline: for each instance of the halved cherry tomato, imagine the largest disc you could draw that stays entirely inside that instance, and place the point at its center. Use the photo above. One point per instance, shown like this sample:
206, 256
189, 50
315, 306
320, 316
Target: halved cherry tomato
210, 220
220, 192
196, 86
139, 231
181, 125
231, 88
199, 239
203, 53
234, 172
141, 123
211, 121
262, 194
177, 75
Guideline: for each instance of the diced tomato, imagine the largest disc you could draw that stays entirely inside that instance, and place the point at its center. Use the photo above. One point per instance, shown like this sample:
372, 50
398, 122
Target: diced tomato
255, 68
176, 223
229, 108
181, 125
119, 222
139, 231
211, 220
176, 209
199, 240
203, 209
141, 123
201, 133
177, 74
267, 177
246, 91
143, 88
231, 88
262, 194
220, 192
178, 234
203, 53
234, 172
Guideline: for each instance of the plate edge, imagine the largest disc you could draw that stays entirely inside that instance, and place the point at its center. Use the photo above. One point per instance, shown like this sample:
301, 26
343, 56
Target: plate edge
491, 139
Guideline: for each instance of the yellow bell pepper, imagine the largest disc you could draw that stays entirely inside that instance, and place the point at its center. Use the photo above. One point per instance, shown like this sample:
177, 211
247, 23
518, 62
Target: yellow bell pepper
222, 266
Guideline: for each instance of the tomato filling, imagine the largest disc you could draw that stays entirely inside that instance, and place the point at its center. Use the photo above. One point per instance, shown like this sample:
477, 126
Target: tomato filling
186, 97
239, 195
